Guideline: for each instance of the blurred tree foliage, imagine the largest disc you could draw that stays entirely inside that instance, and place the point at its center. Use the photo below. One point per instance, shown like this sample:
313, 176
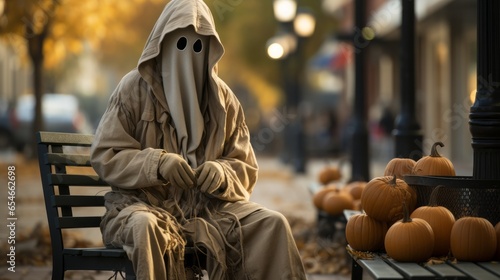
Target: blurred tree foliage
49, 32
244, 26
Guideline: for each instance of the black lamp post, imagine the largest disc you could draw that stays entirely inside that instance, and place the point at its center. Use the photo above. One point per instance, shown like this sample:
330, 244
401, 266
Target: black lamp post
359, 143
407, 132
280, 48
298, 25
484, 117
303, 26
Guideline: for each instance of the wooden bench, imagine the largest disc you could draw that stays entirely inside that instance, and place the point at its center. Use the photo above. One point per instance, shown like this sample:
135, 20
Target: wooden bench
383, 267
70, 185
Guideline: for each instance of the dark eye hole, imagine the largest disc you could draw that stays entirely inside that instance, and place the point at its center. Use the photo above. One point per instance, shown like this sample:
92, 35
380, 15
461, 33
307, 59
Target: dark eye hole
197, 47
182, 43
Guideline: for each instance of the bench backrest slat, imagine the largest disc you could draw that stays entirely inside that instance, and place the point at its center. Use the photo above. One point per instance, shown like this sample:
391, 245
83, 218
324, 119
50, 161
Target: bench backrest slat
67, 186
65, 139
68, 159
78, 222
77, 201
76, 180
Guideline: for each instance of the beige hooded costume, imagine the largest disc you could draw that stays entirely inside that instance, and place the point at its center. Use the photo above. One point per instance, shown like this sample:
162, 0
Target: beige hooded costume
174, 146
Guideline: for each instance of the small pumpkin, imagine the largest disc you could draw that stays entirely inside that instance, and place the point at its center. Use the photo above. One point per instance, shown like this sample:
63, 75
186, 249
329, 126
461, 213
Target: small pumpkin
363, 233
473, 239
355, 189
320, 195
399, 167
441, 221
329, 174
335, 203
382, 197
434, 164
409, 240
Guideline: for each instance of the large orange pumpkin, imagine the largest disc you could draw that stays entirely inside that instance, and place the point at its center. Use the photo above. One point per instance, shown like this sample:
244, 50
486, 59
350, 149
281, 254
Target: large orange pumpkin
363, 233
409, 240
399, 167
473, 239
434, 164
383, 197
441, 221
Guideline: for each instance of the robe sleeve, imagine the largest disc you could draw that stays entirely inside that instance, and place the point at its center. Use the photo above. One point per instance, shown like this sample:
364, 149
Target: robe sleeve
239, 162
116, 155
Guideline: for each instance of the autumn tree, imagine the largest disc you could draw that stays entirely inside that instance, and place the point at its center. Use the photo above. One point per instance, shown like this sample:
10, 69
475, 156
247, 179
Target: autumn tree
47, 31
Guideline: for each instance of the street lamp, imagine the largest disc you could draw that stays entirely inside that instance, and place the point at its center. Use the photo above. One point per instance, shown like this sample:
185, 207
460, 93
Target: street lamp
280, 46
304, 23
284, 10
295, 26
275, 50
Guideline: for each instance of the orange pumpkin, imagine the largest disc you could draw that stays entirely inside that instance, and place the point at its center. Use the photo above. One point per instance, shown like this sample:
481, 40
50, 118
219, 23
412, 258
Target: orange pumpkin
329, 174
441, 221
382, 198
320, 195
409, 240
355, 189
335, 203
399, 167
434, 164
363, 233
473, 239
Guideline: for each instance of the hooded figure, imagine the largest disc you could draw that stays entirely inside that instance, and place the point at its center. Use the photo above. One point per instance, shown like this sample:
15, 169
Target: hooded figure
174, 146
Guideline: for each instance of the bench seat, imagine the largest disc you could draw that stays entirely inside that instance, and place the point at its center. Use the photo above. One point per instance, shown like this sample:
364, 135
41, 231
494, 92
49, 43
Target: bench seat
379, 266
69, 184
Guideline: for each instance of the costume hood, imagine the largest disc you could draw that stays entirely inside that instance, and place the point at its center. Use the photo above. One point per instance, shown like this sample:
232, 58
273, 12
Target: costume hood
180, 14
179, 62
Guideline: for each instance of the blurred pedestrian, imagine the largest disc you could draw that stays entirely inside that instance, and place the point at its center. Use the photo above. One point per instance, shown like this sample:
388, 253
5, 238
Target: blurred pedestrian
386, 122
174, 146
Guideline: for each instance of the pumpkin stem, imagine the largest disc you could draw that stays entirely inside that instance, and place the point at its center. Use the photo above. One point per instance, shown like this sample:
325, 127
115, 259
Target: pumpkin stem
393, 180
434, 152
406, 213
434, 195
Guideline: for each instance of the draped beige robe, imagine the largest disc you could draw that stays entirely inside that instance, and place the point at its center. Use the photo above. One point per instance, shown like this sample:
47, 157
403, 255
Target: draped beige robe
149, 217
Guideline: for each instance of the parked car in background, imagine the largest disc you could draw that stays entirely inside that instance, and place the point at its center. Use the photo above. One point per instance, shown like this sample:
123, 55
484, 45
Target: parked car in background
61, 113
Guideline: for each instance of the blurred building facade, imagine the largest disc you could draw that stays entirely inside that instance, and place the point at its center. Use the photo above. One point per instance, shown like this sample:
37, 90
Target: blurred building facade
445, 68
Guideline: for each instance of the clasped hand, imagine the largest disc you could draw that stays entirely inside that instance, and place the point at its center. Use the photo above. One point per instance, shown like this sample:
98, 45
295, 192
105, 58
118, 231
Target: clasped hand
209, 176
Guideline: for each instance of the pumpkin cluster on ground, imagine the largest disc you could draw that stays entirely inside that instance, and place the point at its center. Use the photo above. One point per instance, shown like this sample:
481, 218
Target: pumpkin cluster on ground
392, 223
334, 197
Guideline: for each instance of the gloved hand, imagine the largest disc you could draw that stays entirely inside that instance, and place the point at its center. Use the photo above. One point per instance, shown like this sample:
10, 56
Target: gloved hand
174, 169
211, 177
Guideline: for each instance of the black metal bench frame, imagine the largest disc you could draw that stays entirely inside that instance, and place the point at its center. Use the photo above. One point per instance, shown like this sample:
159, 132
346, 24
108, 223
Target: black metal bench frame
59, 202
